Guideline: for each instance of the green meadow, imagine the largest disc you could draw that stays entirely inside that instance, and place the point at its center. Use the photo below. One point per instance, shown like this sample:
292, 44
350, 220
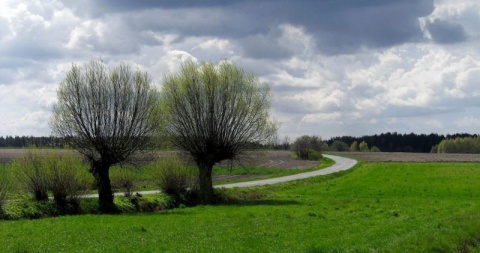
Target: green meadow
387, 207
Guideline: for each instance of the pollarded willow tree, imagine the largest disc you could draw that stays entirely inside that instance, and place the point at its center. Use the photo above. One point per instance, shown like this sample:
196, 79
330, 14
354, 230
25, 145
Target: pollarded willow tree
107, 115
213, 113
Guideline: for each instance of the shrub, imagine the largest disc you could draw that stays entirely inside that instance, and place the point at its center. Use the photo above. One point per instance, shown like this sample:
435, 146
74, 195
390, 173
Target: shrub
314, 155
363, 146
123, 178
66, 180
174, 177
5, 184
339, 146
305, 143
31, 174
375, 149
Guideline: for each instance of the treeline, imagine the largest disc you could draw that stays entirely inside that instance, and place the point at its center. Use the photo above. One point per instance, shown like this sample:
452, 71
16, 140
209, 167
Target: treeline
27, 141
386, 142
395, 142
465, 145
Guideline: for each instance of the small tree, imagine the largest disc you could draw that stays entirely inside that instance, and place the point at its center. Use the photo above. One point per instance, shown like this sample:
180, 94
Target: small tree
67, 181
32, 174
354, 147
305, 143
363, 146
375, 149
214, 112
107, 116
5, 184
339, 146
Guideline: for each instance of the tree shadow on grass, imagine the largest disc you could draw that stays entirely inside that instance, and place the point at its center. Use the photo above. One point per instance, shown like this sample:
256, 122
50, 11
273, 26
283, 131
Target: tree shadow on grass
263, 202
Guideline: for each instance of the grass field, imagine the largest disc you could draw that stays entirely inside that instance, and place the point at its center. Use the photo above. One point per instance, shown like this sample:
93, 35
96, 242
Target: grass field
397, 207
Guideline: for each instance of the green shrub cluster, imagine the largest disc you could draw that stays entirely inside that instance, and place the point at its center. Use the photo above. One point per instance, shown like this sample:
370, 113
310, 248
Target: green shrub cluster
467, 145
123, 178
62, 175
5, 186
176, 178
308, 147
314, 155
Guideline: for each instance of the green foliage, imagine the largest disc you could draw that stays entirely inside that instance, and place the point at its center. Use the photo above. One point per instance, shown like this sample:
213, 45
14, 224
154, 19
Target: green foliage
314, 155
68, 178
354, 147
145, 203
339, 146
214, 112
174, 177
31, 173
305, 143
467, 145
63, 175
123, 178
5, 186
363, 146
375, 149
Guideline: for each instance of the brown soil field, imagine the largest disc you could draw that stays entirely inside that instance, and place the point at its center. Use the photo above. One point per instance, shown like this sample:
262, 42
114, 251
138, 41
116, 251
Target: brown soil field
282, 159
409, 157
8, 155
270, 159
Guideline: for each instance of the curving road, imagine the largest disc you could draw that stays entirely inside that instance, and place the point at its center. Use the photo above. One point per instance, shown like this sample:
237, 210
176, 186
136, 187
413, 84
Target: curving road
341, 163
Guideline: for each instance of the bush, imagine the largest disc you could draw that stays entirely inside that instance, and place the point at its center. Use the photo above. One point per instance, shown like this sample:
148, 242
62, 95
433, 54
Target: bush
40, 172
123, 178
5, 185
305, 143
174, 177
339, 146
66, 180
375, 149
32, 174
314, 155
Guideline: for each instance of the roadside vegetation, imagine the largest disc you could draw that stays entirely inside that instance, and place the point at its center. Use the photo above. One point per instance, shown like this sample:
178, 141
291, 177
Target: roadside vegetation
40, 175
413, 207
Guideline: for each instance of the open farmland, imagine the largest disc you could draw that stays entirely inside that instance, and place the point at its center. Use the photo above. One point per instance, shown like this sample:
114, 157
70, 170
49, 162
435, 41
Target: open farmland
265, 159
408, 157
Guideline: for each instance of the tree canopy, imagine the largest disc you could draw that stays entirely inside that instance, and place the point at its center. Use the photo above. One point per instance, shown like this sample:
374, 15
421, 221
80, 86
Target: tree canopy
107, 115
214, 113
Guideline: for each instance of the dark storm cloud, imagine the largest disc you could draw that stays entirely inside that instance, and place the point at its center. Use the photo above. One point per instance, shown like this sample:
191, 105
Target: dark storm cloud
446, 32
338, 26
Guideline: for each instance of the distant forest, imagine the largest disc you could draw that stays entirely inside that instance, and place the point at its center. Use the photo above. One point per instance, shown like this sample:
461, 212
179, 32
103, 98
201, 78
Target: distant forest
386, 142
395, 142
27, 141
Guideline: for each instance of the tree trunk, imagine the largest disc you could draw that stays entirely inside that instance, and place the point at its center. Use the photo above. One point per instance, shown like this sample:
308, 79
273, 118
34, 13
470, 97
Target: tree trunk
205, 183
102, 179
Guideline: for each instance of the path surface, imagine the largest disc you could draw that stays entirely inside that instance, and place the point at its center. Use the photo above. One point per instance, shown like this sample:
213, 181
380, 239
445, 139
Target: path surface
341, 163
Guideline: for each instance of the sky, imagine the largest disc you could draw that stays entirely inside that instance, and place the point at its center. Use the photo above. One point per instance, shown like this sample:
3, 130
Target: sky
335, 67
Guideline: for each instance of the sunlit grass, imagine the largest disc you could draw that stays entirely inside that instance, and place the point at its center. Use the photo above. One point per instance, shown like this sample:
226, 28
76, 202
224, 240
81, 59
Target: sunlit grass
413, 207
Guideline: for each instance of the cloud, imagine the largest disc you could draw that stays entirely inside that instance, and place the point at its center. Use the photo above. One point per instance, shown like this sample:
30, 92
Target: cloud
334, 67
443, 31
